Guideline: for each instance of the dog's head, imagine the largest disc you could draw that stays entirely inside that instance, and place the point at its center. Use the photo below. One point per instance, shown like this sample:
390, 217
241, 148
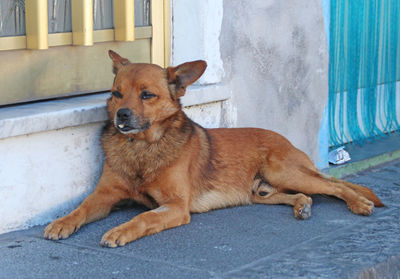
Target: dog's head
146, 94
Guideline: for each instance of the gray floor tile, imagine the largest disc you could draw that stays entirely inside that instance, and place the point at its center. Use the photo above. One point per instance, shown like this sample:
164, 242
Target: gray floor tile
37, 258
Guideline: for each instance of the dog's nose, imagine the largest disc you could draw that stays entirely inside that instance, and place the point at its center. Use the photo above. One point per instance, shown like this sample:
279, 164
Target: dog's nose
124, 114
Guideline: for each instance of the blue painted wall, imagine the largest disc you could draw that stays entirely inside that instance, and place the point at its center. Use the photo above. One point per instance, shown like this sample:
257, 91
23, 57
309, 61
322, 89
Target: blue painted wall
323, 135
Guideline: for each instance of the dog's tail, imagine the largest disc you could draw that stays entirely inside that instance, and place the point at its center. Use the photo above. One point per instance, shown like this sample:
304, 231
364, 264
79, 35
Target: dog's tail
359, 189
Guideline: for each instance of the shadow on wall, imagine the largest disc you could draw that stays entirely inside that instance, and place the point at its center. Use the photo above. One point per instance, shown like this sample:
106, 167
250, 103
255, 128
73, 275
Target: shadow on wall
276, 62
64, 209
56, 212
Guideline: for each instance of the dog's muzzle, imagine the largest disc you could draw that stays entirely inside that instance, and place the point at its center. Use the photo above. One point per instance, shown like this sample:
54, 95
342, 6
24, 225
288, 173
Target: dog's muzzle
128, 123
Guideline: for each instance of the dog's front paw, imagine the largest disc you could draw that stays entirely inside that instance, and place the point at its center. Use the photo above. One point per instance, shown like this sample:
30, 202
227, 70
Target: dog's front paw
60, 229
118, 236
302, 208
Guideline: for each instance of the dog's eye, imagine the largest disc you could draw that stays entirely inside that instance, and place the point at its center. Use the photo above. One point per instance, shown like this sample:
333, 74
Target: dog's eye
145, 95
117, 94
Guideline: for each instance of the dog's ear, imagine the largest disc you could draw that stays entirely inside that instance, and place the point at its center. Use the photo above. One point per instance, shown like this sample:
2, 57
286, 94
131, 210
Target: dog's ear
118, 61
183, 75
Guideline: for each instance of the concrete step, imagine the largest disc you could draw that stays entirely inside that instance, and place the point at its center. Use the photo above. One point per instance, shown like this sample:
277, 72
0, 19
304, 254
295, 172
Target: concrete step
370, 154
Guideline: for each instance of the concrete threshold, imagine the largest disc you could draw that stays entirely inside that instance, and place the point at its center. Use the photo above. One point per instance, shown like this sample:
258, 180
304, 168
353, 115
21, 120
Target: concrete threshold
368, 155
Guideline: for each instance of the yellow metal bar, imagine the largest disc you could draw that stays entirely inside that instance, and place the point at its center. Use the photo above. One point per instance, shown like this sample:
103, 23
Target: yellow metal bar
104, 35
10, 43
167, 33
36, 24
157, 40
60, 39
82, 22
124, 20
143, 32
64, 39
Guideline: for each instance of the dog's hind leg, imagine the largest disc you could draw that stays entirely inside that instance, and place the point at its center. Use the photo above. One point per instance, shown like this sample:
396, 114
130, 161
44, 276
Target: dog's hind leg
308, 181
266, 194
362, 190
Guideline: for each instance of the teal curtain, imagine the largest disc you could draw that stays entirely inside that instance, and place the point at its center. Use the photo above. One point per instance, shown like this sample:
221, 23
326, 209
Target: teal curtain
364, 67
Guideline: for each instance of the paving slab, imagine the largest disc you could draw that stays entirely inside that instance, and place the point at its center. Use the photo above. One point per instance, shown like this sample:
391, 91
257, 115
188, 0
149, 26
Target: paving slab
384, 179
30, 257
260, 241
343, 253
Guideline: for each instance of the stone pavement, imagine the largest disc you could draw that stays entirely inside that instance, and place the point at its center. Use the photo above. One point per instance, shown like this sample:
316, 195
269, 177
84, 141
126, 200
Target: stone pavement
259, 241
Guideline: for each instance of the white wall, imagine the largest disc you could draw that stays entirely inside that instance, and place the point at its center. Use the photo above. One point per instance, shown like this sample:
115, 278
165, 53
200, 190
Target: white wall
44, 175
196, 28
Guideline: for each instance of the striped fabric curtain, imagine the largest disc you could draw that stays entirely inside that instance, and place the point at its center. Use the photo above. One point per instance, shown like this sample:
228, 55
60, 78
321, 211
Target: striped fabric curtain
364, 98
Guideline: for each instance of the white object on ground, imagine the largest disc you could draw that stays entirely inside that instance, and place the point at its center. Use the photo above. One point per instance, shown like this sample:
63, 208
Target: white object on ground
338, 156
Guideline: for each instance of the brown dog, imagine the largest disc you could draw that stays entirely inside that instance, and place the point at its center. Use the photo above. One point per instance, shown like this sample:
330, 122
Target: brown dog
157, 156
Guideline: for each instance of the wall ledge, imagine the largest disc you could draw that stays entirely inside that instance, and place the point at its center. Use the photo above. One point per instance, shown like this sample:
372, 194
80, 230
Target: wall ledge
57, 114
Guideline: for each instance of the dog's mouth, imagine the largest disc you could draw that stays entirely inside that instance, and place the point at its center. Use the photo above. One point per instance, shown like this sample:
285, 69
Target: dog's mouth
126, 122
128, 129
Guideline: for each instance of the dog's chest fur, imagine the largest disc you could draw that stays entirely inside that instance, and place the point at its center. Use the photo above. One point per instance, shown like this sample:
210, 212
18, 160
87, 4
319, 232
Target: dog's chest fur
137, 161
